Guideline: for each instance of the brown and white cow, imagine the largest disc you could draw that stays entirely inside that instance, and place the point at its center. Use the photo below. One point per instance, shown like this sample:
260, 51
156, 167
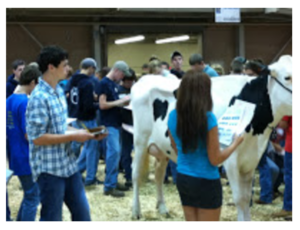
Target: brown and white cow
153, 97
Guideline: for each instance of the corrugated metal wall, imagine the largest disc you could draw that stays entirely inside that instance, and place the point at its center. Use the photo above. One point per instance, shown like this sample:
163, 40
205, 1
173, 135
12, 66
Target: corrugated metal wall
77, 40
219, 44
264, 42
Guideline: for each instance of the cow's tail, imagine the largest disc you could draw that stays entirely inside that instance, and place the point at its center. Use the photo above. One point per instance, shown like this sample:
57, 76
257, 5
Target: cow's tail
145, 169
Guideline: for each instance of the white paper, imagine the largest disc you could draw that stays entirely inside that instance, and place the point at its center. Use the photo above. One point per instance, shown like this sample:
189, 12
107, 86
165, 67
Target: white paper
70, 120
235, 120
128, 128
9, 174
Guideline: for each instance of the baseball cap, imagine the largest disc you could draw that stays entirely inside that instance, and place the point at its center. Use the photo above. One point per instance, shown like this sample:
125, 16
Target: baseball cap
122, 66
88, 62
174, 54
240, 59
195, 58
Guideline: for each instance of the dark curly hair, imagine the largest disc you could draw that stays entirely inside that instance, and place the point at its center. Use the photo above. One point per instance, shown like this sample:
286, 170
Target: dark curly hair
51, 55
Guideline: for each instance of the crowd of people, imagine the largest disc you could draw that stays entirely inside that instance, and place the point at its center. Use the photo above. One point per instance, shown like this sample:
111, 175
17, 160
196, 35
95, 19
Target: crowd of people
49, 155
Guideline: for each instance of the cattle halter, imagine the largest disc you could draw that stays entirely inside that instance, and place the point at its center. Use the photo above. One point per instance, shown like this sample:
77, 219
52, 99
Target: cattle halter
287, 89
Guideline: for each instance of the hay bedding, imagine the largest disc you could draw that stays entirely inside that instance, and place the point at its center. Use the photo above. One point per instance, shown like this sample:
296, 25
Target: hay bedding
107, 208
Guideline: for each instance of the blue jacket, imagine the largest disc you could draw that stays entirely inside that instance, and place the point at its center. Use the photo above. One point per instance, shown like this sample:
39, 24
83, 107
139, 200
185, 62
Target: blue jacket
11, 85
81, 103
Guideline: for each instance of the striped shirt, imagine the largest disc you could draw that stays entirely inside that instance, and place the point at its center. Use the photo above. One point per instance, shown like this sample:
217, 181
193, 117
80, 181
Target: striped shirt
47, 114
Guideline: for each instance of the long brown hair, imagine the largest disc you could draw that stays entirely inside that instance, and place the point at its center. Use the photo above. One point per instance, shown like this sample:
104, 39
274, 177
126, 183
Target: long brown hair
194, 101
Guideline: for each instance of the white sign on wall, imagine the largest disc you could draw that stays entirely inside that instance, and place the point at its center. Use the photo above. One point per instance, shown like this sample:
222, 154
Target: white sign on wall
232, 15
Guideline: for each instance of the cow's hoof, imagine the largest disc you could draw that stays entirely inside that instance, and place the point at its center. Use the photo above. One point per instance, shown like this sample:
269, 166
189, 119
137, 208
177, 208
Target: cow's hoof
136, 216
167, 215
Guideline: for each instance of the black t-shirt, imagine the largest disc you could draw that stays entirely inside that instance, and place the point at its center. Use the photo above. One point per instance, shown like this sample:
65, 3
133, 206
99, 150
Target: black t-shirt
177, 73
109, 117
126, 113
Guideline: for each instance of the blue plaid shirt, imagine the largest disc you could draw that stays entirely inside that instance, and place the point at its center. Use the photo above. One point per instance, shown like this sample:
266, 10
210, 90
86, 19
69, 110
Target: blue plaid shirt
47, 114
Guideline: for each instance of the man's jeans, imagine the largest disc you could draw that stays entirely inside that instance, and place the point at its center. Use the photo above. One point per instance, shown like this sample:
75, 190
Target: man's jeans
288, 178
112, 158
126, 159
7, 209
31, 200
56, 190
171, 170
268, 174
89, 156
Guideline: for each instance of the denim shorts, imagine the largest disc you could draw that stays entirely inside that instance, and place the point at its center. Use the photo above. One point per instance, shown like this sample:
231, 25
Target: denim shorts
199, 192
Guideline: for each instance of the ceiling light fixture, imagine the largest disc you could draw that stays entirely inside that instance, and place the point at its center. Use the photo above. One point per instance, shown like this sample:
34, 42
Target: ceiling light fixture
129, 40
173, 39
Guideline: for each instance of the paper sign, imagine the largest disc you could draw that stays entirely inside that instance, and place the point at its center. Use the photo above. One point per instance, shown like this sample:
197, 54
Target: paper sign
235, 120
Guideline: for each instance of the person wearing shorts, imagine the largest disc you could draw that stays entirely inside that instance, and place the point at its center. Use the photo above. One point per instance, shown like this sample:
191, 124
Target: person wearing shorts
193, 131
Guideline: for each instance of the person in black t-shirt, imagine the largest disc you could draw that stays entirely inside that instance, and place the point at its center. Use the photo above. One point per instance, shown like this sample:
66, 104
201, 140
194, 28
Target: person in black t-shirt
111, 117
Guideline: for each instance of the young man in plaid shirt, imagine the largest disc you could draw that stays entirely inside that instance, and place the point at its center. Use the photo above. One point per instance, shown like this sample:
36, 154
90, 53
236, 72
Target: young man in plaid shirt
52, 162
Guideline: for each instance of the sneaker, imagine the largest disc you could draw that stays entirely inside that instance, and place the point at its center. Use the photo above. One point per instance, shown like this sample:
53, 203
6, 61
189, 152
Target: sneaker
259, 201
114, 192
282, 213
128, 184
122, 187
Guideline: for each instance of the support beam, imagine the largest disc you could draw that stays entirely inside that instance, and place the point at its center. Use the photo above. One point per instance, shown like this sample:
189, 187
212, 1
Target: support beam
31, 36
97, 45
103, 46
200, 44
241, 41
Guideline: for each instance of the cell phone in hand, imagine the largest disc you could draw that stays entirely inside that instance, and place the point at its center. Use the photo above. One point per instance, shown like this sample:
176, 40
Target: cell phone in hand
98, 131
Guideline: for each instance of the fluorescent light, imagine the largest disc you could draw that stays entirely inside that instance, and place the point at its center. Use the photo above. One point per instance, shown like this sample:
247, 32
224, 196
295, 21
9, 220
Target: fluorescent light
173, 39
129, 40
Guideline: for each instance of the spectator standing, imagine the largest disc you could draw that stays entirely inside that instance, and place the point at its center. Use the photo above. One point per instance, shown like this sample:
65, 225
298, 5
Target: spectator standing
13, 80
177, 61
126, 137
287, 124
197, 63
193, 132
111, 117
53, 165
82, 106
18, 144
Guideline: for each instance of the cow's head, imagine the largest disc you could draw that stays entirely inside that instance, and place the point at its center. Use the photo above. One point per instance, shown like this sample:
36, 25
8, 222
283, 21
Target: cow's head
280, 85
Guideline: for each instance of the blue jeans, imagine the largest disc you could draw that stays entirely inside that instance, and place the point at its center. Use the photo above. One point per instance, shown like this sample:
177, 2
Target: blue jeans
126, 159
7, 209
31, 199
268, 174
112, 158
89, 156
56, 190
288, 177
102, 149
171, 170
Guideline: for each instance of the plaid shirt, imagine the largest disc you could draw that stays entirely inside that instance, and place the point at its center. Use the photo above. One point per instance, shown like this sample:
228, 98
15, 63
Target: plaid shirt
47, 114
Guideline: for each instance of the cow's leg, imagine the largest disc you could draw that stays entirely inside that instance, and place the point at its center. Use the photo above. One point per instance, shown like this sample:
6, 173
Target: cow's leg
160, 171
241, 186
243, 202
137, 166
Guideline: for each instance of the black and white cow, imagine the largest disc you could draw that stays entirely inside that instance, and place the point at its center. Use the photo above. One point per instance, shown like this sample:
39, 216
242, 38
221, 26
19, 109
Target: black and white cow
153, 97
